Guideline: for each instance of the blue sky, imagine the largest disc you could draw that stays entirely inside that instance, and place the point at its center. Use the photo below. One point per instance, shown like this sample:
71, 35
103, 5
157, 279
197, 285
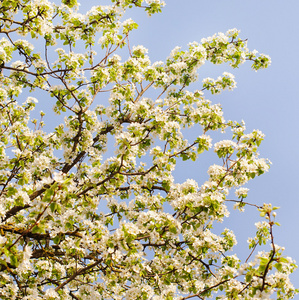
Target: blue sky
265, 100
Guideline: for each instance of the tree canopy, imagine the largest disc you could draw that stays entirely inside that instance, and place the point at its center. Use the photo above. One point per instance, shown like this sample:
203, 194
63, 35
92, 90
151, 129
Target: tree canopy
90, 207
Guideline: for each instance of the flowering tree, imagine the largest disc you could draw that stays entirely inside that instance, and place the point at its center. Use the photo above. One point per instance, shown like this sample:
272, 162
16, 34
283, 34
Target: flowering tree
81, 222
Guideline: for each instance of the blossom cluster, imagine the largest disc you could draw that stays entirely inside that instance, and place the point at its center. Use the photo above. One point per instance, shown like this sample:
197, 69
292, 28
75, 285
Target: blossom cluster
89, 204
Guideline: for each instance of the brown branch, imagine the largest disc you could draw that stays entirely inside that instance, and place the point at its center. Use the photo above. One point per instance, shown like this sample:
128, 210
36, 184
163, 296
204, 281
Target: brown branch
272, 254
35, 223
68, 166
79, 272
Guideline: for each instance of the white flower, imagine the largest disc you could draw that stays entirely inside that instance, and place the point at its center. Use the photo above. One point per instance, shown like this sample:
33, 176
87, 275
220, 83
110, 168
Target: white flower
232, 32
224, 144
51, 294
241, 192
216, 170
3, 239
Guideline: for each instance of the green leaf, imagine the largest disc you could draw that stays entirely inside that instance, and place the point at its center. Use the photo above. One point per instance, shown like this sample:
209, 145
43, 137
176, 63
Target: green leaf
38, 229
278, 266
264, 261
248, 277
57, 239
173, 229
14, 260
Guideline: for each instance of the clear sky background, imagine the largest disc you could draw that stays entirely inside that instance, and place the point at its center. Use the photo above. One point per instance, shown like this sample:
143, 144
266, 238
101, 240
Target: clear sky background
265, 100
